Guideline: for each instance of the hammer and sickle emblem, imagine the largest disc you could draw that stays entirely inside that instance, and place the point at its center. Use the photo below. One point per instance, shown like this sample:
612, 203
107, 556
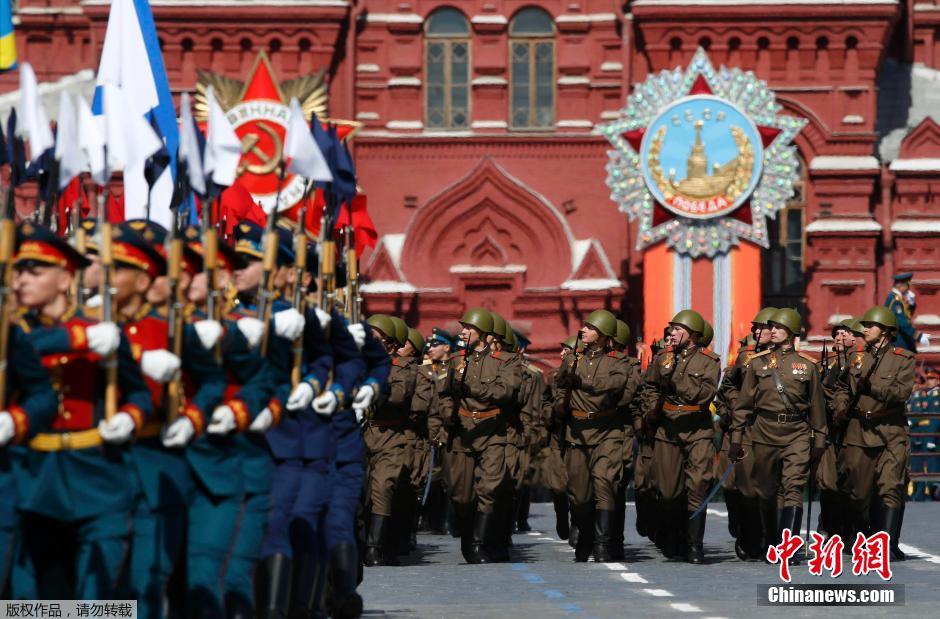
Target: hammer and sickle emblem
250, 145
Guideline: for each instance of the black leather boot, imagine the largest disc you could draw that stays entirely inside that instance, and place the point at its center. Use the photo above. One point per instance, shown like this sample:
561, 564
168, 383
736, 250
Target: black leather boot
463, 520
562, 527
616, 528
584, 517
482, 524
274, 588
308, 582
733, 503
603, 520
344, 562
375, 541
893, 518
522, 513
695, 533
791, 518
768, 523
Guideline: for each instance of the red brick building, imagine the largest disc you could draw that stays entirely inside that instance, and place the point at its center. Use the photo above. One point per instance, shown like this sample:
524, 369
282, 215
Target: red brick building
483, 165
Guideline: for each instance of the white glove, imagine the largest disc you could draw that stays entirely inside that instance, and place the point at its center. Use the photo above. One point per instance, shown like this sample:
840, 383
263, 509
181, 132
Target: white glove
931, 446
223, 421
323, 317
7, 428
209, 332
94, 301
363, 398
160, 365
358, 333
325, 404
301, 397
103, 338
360, 415
178, 433
289, 324
118, 429
263, 421
924, 339
252, 329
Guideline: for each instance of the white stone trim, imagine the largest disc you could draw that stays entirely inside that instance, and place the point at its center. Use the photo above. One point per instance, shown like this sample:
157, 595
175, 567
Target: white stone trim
837, 318
843, 225
488, 80
931, 320
575, 124
50, 10
394, 18
473, 268
404, 81
853, 119
367, 68
488, 124
579, 251
571, 80
920, 6
489, 19
844, 162
367, 115
386, 287
404, 124
590, 284
925, 226
610, 114
611, 67
916, 164
576, 18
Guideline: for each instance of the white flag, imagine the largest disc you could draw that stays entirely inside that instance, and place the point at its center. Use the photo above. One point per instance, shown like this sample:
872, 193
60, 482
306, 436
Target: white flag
35, 123
68, 152
131, 140
91, 140
223, 148
305, 156
189, 147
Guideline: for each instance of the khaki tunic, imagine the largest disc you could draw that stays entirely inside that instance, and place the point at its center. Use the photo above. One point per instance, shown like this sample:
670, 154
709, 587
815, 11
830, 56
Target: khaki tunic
780, 438
876, 446
417, 431
680, 387
724, 405
827, 473
385, 437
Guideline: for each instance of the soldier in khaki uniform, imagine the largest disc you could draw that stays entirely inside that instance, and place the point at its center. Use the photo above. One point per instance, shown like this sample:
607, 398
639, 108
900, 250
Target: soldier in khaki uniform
406, 508
683, 380
631, 422
647, 523
591, 385
537, 437
387, 444
831, 498
743, 512
553, 465
869, 403
480, 384
781, 403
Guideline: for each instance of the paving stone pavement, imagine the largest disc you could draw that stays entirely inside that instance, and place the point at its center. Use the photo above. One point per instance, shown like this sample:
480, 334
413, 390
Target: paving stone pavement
544, 581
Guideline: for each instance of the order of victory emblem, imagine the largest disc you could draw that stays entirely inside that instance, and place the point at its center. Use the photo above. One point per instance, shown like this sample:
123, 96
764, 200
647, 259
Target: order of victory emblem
701, 157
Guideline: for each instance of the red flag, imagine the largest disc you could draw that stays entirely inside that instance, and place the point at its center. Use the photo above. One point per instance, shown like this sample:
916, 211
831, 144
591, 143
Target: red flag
68, 200
115, 208
237, 206
364, 229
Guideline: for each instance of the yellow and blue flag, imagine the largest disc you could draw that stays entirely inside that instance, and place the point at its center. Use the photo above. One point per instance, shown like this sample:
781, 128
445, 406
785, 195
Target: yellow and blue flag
7, 42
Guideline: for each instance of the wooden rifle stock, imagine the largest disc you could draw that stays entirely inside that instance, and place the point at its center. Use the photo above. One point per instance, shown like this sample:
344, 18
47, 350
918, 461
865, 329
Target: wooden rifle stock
173, 398
7, 243
300, 266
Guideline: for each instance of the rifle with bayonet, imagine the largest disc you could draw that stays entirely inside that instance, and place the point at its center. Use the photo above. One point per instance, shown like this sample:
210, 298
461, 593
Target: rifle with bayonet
173, 392
269, 264
299, 300
105, 254
210, 265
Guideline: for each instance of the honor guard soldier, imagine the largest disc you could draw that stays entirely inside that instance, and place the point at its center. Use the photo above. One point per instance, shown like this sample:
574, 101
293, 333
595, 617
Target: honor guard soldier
901, 301
869, 407
743, 513
216, 458
440, 345
163, 476
781, 403
480, 384
590, 386
683, 379
78, 494
925, 457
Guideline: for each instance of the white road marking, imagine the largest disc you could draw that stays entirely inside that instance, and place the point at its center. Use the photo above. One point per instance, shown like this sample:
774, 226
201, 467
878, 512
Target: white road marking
615, 567
685, 608
660, 593
534, 533
920, 554
547, 539
631, 577
717, 512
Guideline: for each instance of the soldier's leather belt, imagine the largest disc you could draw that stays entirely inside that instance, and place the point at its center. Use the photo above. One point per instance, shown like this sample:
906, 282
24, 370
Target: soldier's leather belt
150, 429
66, 441
781, 417
479, 415
587, 415
387, 423
868, 415
669, 407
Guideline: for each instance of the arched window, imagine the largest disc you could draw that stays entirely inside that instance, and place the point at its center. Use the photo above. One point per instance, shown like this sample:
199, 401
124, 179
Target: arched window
783, 283
532, 54
448, 70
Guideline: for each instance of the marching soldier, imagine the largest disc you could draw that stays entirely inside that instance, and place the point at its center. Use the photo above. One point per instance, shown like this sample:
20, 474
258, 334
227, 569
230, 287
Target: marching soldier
781, 403
590, 387
537, 437
439, 347
480, 384
926, 401
869, 404
553, 465
416, 434
79, 495
630, 423
681, 381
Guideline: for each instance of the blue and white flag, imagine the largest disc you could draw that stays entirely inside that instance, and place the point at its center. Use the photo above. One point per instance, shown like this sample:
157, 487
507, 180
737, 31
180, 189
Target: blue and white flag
131, 59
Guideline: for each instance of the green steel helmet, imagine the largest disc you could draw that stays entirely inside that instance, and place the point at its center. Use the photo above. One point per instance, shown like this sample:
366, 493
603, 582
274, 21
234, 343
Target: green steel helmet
570, 342
691, 320
881, 316
479, 318
509, 342
708, 334
383, 324
764, 315
603, 321
508, 334
401, 330
499, 326
788, 318
849, 324
623, 333
416, 339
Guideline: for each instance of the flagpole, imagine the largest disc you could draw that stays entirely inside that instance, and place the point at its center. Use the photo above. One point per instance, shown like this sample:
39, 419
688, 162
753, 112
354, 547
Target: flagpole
269, 258
110, 362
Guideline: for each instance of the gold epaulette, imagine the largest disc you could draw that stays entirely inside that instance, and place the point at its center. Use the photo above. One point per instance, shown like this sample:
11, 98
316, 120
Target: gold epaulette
808, 357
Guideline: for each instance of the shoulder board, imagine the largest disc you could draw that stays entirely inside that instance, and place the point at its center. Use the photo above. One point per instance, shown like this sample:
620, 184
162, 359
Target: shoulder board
501, 355
709, 354
747, 349
616, 354
808, 357
458, 354
903, 352
760, 354
533, 369
426, 362
396, 360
